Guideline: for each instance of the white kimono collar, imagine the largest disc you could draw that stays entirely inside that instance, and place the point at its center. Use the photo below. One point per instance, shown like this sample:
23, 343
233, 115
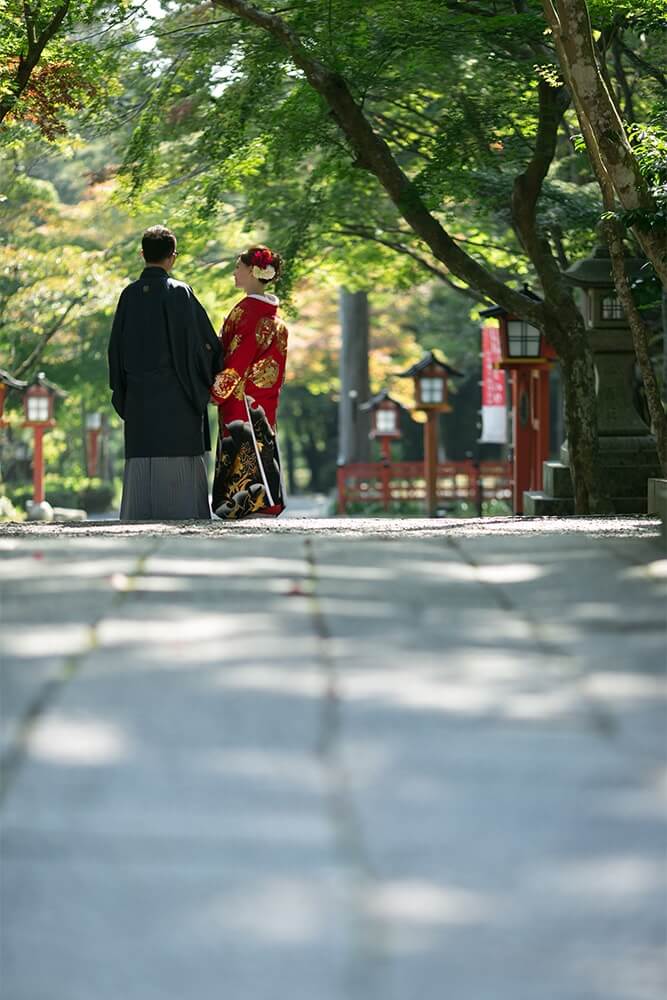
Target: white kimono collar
272, 300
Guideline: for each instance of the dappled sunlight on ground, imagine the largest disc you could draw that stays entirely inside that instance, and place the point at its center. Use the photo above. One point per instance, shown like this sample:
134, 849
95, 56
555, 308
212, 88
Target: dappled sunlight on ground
80, 742
501, 573
376, 765
41, 640
424, 903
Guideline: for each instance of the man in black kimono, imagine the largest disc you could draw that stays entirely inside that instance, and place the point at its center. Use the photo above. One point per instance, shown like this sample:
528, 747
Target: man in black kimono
163, 358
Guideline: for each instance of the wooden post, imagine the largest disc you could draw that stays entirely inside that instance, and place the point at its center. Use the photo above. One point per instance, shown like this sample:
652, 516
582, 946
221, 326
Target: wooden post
386, 472
93, 452
431, 461
342, 498
541, 415
479, 489
523, 436
38, 467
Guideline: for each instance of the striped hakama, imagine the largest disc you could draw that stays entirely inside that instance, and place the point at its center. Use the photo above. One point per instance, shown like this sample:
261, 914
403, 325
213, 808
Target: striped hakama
165, 489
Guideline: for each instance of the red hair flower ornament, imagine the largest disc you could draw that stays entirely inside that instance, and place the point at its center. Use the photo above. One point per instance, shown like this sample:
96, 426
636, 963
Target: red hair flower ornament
262, 265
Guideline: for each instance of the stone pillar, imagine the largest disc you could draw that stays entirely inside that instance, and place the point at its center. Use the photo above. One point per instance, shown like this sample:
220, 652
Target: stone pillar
353, 423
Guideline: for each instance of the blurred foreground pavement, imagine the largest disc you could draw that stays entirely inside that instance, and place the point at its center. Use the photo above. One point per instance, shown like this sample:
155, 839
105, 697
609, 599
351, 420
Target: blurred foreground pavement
334, 760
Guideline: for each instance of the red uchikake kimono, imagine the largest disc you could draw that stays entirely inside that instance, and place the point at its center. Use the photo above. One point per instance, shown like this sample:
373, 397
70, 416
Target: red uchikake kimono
247, 466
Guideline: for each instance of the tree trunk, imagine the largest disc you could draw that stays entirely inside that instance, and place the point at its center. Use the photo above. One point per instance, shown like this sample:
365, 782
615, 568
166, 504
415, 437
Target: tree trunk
564, 327
601, 123
353, 424
664, 345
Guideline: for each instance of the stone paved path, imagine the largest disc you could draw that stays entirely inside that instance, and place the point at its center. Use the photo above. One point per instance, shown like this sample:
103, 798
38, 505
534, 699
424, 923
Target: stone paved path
334, 760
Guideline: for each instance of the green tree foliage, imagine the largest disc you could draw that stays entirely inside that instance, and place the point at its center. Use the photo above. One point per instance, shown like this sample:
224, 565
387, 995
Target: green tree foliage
227, 140
54, 61
430, 80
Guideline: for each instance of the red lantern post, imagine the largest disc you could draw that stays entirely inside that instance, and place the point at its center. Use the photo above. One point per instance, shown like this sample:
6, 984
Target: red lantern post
38, 400
385, 428
528, 356
432, 397
93, 431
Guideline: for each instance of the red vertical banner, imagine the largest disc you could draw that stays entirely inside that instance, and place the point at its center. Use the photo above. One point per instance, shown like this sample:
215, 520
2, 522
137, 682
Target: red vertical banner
494, 393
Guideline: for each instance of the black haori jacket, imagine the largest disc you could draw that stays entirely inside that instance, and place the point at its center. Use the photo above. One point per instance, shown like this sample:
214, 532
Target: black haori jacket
163, 358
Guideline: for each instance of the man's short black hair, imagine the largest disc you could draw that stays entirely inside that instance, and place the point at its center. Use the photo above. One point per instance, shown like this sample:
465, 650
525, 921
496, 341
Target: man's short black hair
157, 243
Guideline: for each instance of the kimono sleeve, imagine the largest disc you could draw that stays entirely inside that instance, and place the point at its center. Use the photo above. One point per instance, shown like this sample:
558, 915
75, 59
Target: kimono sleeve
231, 380
210, 360
195, 349
117, 379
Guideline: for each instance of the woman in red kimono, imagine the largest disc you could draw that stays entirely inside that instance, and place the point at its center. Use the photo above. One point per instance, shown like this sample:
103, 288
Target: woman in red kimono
248, 479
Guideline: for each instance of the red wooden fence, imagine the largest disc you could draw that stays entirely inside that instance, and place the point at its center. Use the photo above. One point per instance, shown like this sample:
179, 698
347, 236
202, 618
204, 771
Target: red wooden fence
396, 482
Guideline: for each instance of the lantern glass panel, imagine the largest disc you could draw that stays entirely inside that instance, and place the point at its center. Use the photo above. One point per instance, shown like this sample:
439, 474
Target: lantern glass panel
93, 421
38, 408
432, 390
611, 308
385, 421
523, 340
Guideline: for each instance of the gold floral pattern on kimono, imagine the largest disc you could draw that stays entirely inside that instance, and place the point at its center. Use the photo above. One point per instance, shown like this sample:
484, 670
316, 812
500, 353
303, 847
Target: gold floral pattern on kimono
244, 470
226, 382
264, 332
233, 320
264, 373
247, 471
280, 336
234, 342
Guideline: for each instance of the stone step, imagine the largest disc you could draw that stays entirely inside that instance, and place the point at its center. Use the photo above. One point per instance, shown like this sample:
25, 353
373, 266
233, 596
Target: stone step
557, 480
617, 480
538, 504
542, 505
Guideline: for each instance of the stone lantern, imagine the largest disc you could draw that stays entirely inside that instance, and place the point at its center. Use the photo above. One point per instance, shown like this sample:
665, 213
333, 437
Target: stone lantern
627, 449
600, 305
431, 377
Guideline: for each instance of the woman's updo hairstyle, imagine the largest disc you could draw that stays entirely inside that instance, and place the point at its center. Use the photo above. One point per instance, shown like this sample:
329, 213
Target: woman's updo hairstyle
266, 265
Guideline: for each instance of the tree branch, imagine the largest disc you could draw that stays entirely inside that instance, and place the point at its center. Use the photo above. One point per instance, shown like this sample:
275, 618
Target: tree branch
373, 154
553, 102
623, 82
37, 352
36, 45
606, 139
29, 26
643, 64
368, 234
